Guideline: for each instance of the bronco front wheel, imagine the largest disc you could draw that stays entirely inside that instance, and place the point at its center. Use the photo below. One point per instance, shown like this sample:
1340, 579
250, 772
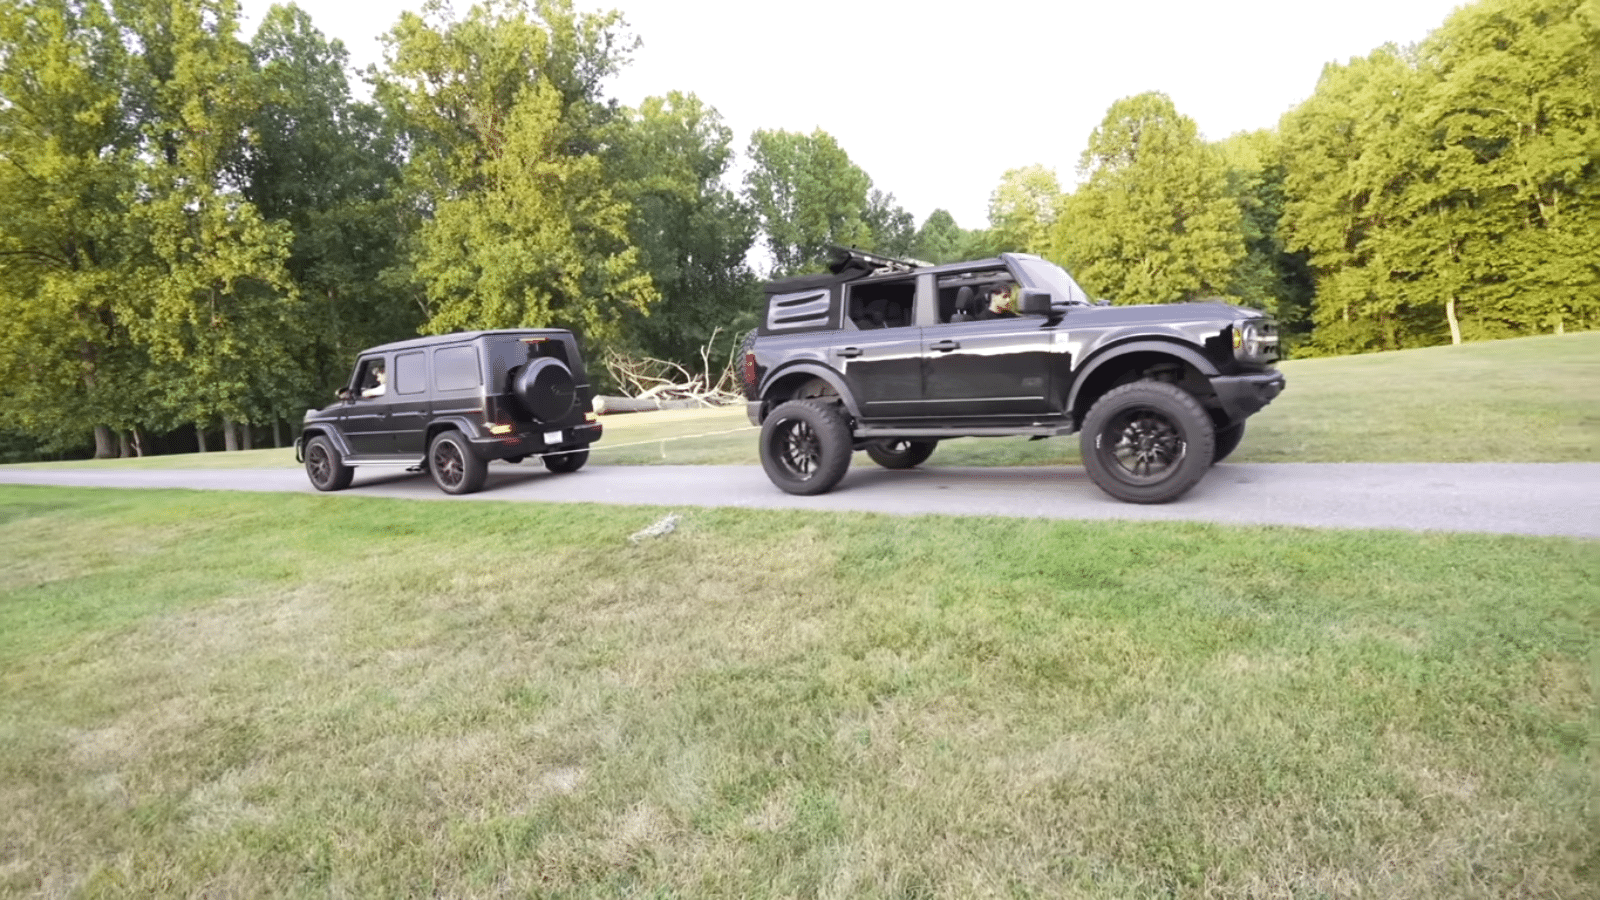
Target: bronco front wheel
805, 446
1147, 442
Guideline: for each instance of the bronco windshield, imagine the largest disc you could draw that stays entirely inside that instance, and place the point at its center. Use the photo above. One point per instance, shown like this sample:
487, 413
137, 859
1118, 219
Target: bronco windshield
1041, 274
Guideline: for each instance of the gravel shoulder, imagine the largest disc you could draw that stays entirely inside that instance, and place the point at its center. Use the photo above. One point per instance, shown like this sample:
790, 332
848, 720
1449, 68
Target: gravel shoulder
1561, 499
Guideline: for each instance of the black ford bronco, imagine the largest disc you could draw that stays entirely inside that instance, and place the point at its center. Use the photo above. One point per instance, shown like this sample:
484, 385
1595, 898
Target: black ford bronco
890, 357
450, 404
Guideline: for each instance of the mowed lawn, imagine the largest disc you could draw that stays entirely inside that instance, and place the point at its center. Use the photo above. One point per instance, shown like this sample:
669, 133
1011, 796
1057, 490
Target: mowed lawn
1525, 400
219, 695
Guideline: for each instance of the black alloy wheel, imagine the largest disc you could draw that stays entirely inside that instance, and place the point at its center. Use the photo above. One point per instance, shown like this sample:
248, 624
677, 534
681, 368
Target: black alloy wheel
325, 467
900, 453
806, 446
1147, 442
1228, 439
454, 467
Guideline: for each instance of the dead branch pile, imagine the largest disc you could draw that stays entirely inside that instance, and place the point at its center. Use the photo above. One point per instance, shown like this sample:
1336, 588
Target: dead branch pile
651, 383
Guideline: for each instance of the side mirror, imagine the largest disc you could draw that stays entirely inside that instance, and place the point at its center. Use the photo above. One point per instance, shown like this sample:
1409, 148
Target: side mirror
1034, 302
342, 393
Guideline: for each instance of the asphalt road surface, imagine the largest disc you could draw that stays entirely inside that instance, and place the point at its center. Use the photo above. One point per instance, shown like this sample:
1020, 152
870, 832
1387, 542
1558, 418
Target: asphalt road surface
1500, 498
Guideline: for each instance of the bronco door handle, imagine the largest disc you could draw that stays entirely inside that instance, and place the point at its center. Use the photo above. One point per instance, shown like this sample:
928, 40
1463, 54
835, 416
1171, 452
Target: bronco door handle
850, 352
945, 346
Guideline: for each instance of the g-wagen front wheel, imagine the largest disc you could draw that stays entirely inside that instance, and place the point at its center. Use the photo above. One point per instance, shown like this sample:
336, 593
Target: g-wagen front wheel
454, 467
325, 467
806, 446
897, 453
1147, 442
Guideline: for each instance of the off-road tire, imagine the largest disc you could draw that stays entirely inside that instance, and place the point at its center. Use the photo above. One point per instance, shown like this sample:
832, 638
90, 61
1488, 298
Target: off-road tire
1228, 439
561, 463
806, 446
454, 467
325, 466
1147, 442
899, 453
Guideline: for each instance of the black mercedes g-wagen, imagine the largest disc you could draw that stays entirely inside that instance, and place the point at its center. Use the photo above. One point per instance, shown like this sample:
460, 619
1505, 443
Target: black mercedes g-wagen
450, 404
891, 356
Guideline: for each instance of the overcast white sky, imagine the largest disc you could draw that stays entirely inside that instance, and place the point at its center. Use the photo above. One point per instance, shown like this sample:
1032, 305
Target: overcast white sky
937, 100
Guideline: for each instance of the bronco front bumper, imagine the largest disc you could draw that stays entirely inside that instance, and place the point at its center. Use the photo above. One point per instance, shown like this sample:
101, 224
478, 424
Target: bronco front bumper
1243, 395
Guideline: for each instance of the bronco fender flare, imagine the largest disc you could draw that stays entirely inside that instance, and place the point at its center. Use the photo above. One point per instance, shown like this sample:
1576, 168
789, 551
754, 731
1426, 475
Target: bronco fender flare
1111, 354
801, 370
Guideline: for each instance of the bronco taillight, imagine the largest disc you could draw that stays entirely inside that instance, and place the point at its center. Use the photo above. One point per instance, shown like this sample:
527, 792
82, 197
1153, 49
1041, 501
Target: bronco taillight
749, 372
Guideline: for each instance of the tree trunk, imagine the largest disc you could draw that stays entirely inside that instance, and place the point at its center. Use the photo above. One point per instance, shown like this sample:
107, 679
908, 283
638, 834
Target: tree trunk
277, 432
230, 435
1455, 324
124, 450
105, 445
138, 441
247, 436
200, 436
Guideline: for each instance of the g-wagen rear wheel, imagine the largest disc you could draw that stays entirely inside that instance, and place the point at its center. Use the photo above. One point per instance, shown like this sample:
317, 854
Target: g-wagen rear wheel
1147, 442
897, 453
806, 446
325, 467
453, 466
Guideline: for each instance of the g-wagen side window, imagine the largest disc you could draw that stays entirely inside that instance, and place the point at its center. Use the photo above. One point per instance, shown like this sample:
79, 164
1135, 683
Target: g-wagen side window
410, 373
456, 369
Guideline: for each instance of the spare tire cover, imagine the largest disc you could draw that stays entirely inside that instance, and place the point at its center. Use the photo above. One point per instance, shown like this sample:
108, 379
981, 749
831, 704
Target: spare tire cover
546, 388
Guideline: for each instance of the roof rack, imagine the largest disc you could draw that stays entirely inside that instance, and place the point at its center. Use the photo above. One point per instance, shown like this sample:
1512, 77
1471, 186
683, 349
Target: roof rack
840, 258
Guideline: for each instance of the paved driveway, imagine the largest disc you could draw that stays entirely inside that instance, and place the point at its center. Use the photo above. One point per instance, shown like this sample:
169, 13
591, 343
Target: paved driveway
1506, 498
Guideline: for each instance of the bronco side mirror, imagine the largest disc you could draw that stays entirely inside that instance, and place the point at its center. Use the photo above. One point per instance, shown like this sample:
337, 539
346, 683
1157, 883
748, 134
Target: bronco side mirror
1034, 302
342, 393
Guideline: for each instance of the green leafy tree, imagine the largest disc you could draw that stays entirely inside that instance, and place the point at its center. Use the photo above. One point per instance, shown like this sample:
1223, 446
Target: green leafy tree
215, 308
693, 233
940, 239
524, 224
1347, 150
1153, 221
327, 168
893, 229
1505, 205
806, 194
65, 172
1269, 277
1022, 209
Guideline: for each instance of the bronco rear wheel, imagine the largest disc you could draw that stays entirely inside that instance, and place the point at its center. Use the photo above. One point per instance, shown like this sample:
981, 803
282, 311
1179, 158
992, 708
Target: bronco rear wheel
1147, 442
898, 453
805, 446
1228, 439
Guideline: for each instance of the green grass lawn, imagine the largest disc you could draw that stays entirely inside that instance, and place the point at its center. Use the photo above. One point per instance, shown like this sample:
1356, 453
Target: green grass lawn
1526, 400
233, 695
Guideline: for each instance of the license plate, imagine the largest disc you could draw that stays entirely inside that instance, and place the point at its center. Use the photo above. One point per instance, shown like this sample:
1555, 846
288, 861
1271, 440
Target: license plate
552, 437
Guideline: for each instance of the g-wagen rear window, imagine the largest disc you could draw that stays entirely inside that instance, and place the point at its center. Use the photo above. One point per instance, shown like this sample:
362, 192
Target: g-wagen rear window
456, 369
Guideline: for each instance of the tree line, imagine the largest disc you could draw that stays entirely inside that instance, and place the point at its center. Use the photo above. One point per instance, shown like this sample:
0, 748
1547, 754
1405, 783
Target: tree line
198, 231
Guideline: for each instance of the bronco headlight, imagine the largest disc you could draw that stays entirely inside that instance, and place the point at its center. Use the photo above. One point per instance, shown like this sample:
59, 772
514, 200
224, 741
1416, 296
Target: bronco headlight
1255, 340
